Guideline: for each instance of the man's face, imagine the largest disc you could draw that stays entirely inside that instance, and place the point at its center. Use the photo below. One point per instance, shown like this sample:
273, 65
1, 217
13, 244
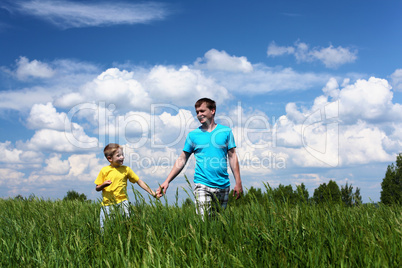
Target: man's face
204, 114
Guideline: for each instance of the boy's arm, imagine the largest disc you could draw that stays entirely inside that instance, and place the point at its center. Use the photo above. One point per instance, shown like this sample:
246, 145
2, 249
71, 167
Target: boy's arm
144, 186
100, 187
234, 166
177, 168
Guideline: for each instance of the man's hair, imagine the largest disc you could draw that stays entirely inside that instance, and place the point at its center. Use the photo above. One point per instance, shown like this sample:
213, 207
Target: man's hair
211, 104
110, 149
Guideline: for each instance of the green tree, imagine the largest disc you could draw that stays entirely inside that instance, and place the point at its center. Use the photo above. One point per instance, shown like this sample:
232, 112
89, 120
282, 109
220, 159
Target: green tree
188, 202
357, 197
249, 196
284, 194
301, 193
391, 186
348, 197
254, 194
327, 193
19, 198
73, 195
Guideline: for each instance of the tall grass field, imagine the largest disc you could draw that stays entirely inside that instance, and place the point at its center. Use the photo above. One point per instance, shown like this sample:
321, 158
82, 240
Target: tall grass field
45, 233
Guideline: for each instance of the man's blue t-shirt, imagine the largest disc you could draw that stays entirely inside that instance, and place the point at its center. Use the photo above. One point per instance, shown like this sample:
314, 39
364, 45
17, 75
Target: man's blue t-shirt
210, 150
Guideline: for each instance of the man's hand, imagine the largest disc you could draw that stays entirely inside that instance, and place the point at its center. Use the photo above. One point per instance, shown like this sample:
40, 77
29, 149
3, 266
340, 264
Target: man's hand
162, 189
238, 190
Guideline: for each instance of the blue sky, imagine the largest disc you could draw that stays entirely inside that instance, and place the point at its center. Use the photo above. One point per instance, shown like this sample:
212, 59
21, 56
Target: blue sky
311, 89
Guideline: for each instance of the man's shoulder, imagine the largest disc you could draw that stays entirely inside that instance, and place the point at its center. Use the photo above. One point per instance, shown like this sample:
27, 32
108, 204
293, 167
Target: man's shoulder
193, 132
218, 127
222, 127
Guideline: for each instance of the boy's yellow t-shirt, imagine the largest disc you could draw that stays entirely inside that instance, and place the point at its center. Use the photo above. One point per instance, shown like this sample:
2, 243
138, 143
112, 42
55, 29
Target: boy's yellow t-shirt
117, 191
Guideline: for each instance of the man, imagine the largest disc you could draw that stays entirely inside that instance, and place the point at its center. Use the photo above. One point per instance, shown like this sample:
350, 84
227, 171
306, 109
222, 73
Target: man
213, 145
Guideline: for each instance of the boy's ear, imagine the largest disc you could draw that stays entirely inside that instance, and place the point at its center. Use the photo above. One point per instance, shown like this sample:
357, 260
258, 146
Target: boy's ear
109, 159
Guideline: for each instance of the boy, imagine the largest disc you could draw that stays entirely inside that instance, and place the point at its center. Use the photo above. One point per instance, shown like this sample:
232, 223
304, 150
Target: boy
112, 181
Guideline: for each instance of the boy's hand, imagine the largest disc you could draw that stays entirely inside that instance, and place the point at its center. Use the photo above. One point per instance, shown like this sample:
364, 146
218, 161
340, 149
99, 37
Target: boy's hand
154, 194
105, 184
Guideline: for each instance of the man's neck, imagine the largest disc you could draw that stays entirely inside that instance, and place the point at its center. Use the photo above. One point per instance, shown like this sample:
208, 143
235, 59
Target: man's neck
209, 126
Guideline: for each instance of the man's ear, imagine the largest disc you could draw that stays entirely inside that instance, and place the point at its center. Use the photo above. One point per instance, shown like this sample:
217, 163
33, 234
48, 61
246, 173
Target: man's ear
213, 111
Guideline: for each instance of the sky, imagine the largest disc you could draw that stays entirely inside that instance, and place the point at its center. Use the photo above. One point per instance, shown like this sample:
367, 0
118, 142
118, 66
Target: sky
311, 89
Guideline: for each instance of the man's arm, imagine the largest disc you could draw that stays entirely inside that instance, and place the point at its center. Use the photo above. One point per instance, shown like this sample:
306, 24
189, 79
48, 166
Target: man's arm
177, 168
234, 166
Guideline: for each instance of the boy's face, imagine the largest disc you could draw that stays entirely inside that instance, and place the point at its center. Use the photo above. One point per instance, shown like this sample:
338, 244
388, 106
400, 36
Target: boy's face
204, 114
117, 159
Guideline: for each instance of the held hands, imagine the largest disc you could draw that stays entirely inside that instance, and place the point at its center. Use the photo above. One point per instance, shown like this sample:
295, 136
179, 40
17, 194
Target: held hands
154, 194
162, 189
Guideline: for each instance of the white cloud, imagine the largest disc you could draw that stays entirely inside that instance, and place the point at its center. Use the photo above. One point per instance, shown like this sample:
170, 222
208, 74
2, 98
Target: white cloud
130, 91
331, 57
349, 129
119, 88
362, 144
49, 140
56, 166
393, 142
334, 57
77, 168
264, 79
45, 116
22, 100
18, 157
69, 100
368, 100
184, 86
67, 77
332, 88
10, 155
84, 164
67, 14
220, 60
396, 80
34, 68
10, 177
275, 50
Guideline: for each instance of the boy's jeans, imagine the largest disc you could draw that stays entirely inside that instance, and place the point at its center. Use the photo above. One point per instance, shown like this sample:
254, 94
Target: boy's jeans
106, 211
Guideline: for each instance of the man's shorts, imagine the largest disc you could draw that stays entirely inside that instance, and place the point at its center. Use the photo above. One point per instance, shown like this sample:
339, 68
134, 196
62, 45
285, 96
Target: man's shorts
210, 199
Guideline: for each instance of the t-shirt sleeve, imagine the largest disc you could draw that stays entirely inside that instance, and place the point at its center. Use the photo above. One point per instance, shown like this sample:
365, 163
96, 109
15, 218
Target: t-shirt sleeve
231, 141
188, 145
101, 178
132, 177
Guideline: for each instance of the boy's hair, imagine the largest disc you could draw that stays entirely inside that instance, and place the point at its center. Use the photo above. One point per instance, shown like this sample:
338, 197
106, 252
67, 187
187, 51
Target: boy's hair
211, 104
110, 149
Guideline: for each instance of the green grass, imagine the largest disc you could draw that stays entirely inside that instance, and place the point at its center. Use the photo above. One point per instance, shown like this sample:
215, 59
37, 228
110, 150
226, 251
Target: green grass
44, 233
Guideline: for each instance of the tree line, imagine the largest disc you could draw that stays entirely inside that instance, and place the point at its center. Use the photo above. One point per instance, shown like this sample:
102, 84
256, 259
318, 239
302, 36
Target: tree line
325, 194
330, 193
